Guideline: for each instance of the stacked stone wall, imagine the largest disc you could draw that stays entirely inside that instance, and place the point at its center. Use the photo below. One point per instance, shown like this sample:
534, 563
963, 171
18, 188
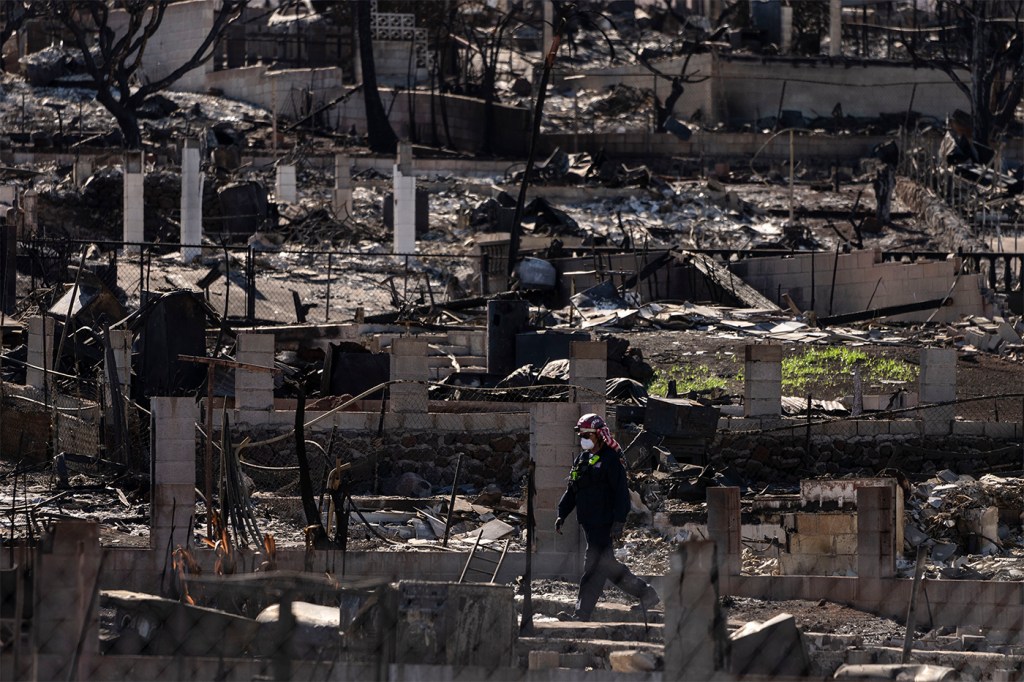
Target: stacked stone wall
490, 458
763, 458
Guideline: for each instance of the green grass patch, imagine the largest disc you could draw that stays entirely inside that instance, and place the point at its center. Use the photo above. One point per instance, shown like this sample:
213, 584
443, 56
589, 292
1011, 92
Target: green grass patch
695, 378
817, 370
831, 367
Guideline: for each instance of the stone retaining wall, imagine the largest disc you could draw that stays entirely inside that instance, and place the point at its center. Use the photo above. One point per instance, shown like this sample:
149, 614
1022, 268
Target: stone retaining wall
378, 464
768, 458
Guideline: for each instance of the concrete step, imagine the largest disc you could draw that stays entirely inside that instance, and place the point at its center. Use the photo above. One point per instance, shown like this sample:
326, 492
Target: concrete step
634, 632
605, 612
463, 360
576, 653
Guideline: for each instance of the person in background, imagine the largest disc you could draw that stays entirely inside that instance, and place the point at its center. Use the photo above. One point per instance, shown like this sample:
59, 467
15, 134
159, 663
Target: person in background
597, 491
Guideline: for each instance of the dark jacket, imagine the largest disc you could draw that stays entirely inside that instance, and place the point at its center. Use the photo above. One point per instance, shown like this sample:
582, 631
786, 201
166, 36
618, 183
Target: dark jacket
598, 492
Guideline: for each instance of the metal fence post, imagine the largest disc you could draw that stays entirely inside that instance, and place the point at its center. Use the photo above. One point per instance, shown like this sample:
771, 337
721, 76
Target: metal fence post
327, 305
250, 285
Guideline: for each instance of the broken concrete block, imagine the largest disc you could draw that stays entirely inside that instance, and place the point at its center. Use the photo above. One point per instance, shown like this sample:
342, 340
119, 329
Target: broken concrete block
317, 629
895, 671
1008, 334
411, 484
983, 524
775, 647
542, 660
633, 661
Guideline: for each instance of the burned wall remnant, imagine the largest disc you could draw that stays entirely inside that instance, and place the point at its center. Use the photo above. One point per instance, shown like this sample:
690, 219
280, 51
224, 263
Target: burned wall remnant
861, 282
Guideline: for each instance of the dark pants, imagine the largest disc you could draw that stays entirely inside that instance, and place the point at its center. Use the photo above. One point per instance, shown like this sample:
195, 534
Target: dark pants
601, 565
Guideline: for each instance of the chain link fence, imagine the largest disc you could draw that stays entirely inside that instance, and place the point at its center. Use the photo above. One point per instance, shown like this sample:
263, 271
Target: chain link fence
414, 453
251, 285
974, 435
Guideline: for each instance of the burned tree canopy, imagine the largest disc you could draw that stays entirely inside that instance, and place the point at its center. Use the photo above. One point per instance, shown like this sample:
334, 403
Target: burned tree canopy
113, 39
983, 40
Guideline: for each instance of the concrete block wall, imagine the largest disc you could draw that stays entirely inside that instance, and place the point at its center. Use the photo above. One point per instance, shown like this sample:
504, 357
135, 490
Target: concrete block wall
862, 281
173, 474
820, 544
588, 368
65, 615
695, 97
408, 363
762, 381
936, 382
181, 32
281, 89
254, 390
753, 86
40, 339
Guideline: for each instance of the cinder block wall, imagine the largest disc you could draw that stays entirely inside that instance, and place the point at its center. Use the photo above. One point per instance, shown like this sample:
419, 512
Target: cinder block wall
752, 88
465, 115
184, 26
861, 281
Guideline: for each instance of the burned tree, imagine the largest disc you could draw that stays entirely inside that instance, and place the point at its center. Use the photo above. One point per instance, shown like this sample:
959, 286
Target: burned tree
381, 137
13, 15
985, 41
113, 38
484, 42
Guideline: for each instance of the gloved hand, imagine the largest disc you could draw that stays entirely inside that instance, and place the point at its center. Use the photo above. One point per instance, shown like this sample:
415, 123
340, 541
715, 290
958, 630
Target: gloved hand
617, 529
558, 525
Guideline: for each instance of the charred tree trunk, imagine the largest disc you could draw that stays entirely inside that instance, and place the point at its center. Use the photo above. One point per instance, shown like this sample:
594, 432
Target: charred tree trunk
380, 136
126, 118
316, 534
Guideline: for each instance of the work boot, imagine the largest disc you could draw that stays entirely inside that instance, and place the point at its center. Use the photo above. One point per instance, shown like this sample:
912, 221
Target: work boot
648, 600
571, 616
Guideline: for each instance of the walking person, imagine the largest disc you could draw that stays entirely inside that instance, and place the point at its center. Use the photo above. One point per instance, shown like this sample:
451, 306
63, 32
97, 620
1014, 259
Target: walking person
597, 491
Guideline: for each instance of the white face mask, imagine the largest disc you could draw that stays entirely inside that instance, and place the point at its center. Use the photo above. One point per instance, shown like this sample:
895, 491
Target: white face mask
586, 443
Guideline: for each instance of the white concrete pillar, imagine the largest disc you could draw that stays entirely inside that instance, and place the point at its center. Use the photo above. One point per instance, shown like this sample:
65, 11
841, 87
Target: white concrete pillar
82, 170
8, 194
191, 202
254, 390
762, 381
287, 192
696, 645
30, 206
787, 30
588, 368
553, 447
835, 28
549, 26
173, 448
937, 381
409, 363
40, 351
121, 343
342, 199
405, 201
134, 202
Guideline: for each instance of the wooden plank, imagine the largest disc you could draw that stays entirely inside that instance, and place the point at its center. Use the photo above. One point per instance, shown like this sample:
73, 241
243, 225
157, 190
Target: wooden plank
492, 530
725, 279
